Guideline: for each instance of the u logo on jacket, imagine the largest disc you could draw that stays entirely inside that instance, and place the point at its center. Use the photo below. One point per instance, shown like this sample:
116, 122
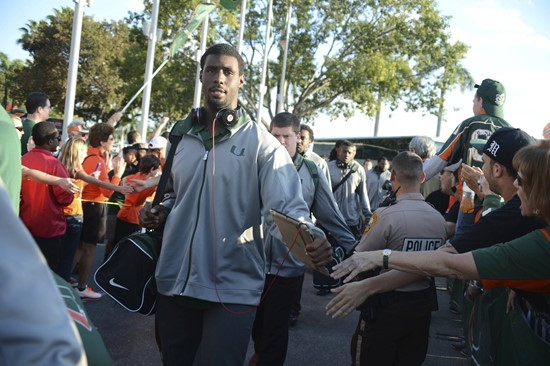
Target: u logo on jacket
233, 148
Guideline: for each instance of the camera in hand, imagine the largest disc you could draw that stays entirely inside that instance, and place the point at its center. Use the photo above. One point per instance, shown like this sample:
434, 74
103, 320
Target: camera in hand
387, 185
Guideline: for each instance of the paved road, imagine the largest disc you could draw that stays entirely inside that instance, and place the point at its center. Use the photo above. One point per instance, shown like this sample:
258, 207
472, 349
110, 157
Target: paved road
316, 340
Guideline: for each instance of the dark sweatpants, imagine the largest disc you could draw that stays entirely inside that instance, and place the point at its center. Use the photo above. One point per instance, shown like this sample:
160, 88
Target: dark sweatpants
205, 333
270, 330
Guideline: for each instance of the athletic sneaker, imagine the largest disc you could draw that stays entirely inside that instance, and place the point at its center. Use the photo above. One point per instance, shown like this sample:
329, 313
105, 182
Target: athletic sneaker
89, 294
73, 282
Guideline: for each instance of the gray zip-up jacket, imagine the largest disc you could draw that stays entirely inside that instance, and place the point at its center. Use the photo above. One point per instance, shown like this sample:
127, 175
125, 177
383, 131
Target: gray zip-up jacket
325, 210
212, 246
351, 197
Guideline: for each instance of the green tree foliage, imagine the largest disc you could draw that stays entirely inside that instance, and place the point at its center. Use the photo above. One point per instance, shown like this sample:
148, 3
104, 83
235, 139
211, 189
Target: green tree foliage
344, 57
173, 88
101, 49
9, 70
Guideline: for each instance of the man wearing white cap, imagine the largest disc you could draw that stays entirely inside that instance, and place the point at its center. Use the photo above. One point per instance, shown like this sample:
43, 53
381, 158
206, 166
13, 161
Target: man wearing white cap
157, 147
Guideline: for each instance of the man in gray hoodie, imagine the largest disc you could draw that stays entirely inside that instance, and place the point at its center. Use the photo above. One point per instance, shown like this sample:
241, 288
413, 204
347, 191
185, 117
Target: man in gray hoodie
227, 173
285, 274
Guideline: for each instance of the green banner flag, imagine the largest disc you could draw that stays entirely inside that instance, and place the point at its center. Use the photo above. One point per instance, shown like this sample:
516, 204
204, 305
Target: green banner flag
197, 17
231, 5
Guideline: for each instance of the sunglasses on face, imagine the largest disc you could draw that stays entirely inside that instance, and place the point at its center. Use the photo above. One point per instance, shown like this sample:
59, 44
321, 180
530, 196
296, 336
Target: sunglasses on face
19, 128
520, 181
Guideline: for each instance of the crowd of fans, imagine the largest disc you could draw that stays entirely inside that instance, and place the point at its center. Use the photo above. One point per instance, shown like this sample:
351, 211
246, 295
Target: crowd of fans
391, 225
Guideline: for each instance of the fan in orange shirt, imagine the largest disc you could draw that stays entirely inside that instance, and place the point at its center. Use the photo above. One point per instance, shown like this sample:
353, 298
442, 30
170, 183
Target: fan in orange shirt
73, 153
128, 216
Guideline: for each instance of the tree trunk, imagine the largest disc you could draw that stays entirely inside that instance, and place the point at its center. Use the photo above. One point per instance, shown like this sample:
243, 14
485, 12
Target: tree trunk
377, 118
440, 113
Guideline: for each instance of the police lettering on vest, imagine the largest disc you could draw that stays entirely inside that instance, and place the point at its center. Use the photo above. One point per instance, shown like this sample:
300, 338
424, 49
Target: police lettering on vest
419, 244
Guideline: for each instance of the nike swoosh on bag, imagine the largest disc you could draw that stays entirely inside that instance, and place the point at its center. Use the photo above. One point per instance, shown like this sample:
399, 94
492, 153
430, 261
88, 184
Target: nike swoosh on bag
113, 283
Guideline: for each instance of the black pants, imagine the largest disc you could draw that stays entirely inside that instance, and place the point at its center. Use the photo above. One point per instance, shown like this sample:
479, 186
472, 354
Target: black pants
270, 330
124, 229
69, 245
205, 333
51, 249
296, 306
398, 334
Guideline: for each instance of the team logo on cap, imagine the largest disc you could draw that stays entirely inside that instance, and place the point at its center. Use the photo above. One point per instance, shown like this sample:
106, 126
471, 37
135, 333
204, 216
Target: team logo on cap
493, 148
499, 99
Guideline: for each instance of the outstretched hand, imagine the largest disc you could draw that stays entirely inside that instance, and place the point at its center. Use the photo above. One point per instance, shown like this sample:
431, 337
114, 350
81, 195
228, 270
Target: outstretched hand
125, 189
348, 298
141, 185
68, 185
354, 265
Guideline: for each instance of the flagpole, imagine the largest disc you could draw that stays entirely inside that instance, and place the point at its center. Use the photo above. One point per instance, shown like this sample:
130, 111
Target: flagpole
264, 66
147, 82
149, 69
281, 94
73, 65
204, 36
241, 29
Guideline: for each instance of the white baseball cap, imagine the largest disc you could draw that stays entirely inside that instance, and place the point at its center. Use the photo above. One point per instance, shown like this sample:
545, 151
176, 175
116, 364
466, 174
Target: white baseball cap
158, 142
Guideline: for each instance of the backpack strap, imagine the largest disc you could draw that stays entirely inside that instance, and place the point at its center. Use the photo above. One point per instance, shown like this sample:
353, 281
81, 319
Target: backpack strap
174, 141
313, 172
299, 160
353, 168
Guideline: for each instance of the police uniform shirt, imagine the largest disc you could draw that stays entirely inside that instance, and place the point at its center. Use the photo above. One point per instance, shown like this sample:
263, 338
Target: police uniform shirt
410, 224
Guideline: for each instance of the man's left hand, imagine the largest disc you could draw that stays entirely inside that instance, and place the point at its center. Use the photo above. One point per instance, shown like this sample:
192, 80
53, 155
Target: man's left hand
320, 251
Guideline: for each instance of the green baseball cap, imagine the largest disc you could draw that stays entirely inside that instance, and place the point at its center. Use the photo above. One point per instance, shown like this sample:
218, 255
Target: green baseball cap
494, 96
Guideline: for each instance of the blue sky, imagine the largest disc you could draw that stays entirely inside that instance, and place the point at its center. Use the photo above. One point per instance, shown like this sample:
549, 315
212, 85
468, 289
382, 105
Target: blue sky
509, 41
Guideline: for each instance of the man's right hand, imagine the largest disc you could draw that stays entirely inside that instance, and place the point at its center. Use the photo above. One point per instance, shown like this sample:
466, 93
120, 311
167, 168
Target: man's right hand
152, 218
472, 175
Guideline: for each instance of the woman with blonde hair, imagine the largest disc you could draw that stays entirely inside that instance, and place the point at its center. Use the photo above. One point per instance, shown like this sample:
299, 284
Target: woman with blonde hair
72, 155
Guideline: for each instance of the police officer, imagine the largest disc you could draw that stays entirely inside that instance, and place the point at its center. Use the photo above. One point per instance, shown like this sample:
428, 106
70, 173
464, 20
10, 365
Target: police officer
349, 186
393, 329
